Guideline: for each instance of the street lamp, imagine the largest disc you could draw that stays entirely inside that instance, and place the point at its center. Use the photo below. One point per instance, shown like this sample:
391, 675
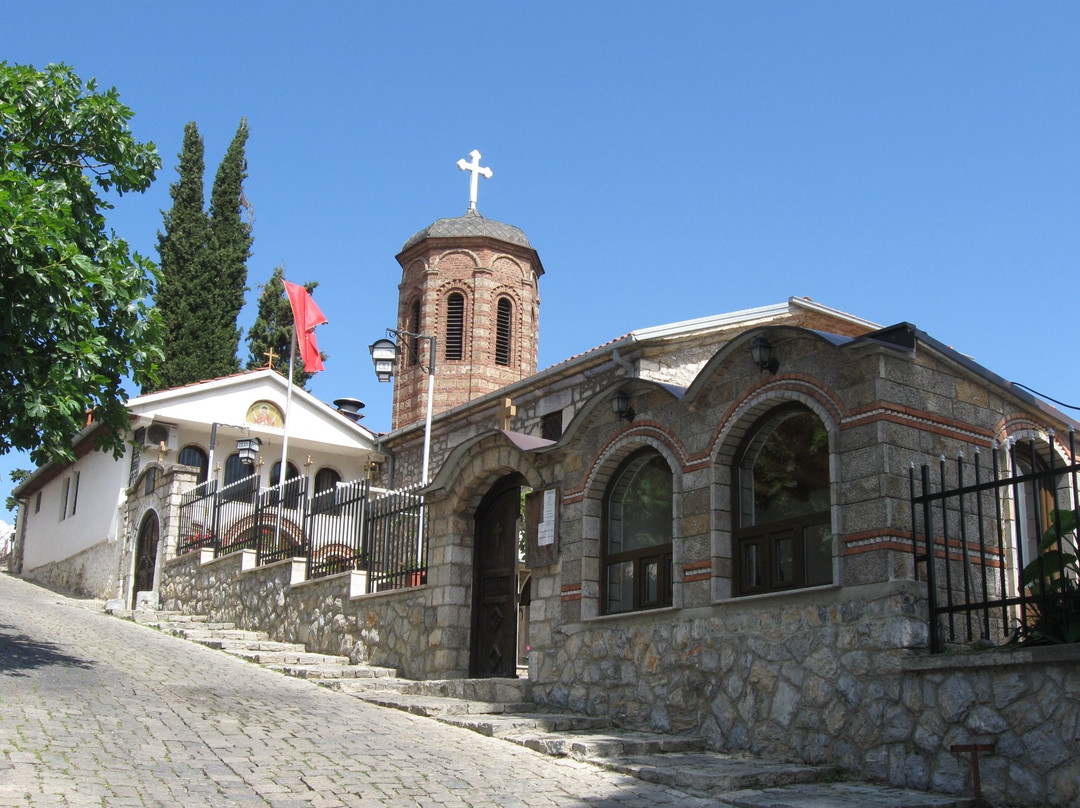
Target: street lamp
384, 355
248, 449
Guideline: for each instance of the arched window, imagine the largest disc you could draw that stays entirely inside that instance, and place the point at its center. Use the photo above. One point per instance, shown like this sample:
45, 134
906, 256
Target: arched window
236, 469
326, 479
196, 457
275, 472
292, 492
325, 496
503, 331
636, 563
455, 326
1035, 499
783, 538
414, 327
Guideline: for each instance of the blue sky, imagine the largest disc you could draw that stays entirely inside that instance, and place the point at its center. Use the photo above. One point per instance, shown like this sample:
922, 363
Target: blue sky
912, 161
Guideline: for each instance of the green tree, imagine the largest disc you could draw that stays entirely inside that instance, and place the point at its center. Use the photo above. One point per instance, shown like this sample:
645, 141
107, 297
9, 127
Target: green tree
74, 322
182, 290
17, 476
224, 261
273, 330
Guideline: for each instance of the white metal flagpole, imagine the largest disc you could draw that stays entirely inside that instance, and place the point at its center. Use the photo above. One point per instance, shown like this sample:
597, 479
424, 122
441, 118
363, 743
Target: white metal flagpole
285, 439
288, 403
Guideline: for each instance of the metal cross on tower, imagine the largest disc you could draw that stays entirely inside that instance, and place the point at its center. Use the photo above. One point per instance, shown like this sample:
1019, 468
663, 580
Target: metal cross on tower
476, 170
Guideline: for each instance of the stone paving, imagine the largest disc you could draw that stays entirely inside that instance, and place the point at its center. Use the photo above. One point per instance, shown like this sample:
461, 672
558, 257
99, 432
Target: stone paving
96, 711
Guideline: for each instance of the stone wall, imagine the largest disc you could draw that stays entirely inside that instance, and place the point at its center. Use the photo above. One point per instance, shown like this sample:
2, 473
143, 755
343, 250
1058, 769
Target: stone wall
328, 615
91, 573
831, 676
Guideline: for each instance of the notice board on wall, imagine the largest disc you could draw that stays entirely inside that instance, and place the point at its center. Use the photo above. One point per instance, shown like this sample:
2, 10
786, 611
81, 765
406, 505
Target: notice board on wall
542, 527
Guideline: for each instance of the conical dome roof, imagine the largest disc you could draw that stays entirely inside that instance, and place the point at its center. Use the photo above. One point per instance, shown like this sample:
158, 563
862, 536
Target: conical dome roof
471, 224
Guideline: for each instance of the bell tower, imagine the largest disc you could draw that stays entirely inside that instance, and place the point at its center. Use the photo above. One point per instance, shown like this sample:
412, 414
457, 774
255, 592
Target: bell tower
472, 283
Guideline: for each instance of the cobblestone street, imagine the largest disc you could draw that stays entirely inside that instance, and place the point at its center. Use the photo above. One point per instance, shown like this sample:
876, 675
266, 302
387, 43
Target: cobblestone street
96, 711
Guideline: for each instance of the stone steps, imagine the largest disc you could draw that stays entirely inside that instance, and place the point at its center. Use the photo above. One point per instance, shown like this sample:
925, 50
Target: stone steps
504, 709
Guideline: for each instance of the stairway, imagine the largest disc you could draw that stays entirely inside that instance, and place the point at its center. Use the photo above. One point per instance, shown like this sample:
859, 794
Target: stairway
504, 709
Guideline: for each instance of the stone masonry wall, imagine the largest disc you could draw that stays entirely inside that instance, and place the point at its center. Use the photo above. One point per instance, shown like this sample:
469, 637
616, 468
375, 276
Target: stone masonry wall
831, 677
389, 629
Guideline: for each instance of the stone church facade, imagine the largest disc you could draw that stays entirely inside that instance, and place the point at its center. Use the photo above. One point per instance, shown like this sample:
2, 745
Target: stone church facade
703, 526
722, 544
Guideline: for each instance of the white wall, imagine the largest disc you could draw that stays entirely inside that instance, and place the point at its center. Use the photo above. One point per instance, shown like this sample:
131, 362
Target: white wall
50, 538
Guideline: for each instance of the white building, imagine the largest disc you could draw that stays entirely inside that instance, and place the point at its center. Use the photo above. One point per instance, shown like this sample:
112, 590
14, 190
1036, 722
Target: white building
78, 527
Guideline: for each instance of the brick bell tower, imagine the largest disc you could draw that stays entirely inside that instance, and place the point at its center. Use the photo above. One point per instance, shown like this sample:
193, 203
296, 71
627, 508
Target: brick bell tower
472, 283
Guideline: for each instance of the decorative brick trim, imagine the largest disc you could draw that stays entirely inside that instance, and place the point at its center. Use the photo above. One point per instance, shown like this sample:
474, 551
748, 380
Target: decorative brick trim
697, 571
918, 419
571, 592
799, 387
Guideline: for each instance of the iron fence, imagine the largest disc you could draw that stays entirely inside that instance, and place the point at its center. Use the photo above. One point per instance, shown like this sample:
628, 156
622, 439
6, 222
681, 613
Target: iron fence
335, 529
349, 527
995, 542
397, 540
196, 518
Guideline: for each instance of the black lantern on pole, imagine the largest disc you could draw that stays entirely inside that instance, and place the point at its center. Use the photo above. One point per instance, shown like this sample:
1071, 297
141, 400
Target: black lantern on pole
384, 353
248, 449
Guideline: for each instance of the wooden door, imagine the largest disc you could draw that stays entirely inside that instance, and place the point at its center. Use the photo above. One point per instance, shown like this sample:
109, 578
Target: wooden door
145, 556
494, 634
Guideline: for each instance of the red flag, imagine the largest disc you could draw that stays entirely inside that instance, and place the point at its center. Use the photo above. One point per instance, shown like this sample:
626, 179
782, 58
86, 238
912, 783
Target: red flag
306, 316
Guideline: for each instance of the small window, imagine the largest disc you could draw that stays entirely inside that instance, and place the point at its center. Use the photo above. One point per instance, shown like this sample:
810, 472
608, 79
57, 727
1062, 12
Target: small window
551, 425
235, 471
150, 480
74, 492
503, 331
783, 538
64, 490
326, 480
325, 498
414, 327
37, 503
637, 544
455, 327
194, 456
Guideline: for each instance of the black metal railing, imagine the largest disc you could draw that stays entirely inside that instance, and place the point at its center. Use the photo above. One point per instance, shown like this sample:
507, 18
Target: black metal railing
397, 540
197, 508
335, 529
349, 527
995, 542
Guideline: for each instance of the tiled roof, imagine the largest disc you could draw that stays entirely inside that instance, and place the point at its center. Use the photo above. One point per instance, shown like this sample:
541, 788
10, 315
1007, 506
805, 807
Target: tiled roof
471, 224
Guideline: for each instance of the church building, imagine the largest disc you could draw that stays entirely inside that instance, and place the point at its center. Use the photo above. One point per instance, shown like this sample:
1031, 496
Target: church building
704, 527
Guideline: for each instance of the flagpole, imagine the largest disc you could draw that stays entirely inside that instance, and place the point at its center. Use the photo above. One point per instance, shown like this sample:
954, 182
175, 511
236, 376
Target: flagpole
288, 403
285, 439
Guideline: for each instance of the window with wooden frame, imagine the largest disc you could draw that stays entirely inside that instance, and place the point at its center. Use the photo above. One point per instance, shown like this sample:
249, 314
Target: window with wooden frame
503, 331
637, 531
783, 536
455, 327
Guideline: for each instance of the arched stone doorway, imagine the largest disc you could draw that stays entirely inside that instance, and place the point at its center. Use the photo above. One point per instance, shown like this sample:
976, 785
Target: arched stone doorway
145, 556
493, 650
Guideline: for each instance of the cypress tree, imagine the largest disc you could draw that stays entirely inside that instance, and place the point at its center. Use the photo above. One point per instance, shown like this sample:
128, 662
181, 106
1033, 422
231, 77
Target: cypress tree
178, 296
273, 330
224, 261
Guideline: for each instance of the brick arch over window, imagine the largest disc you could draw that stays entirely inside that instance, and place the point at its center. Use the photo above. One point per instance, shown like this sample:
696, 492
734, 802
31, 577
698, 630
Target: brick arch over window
807, 537
602, 474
